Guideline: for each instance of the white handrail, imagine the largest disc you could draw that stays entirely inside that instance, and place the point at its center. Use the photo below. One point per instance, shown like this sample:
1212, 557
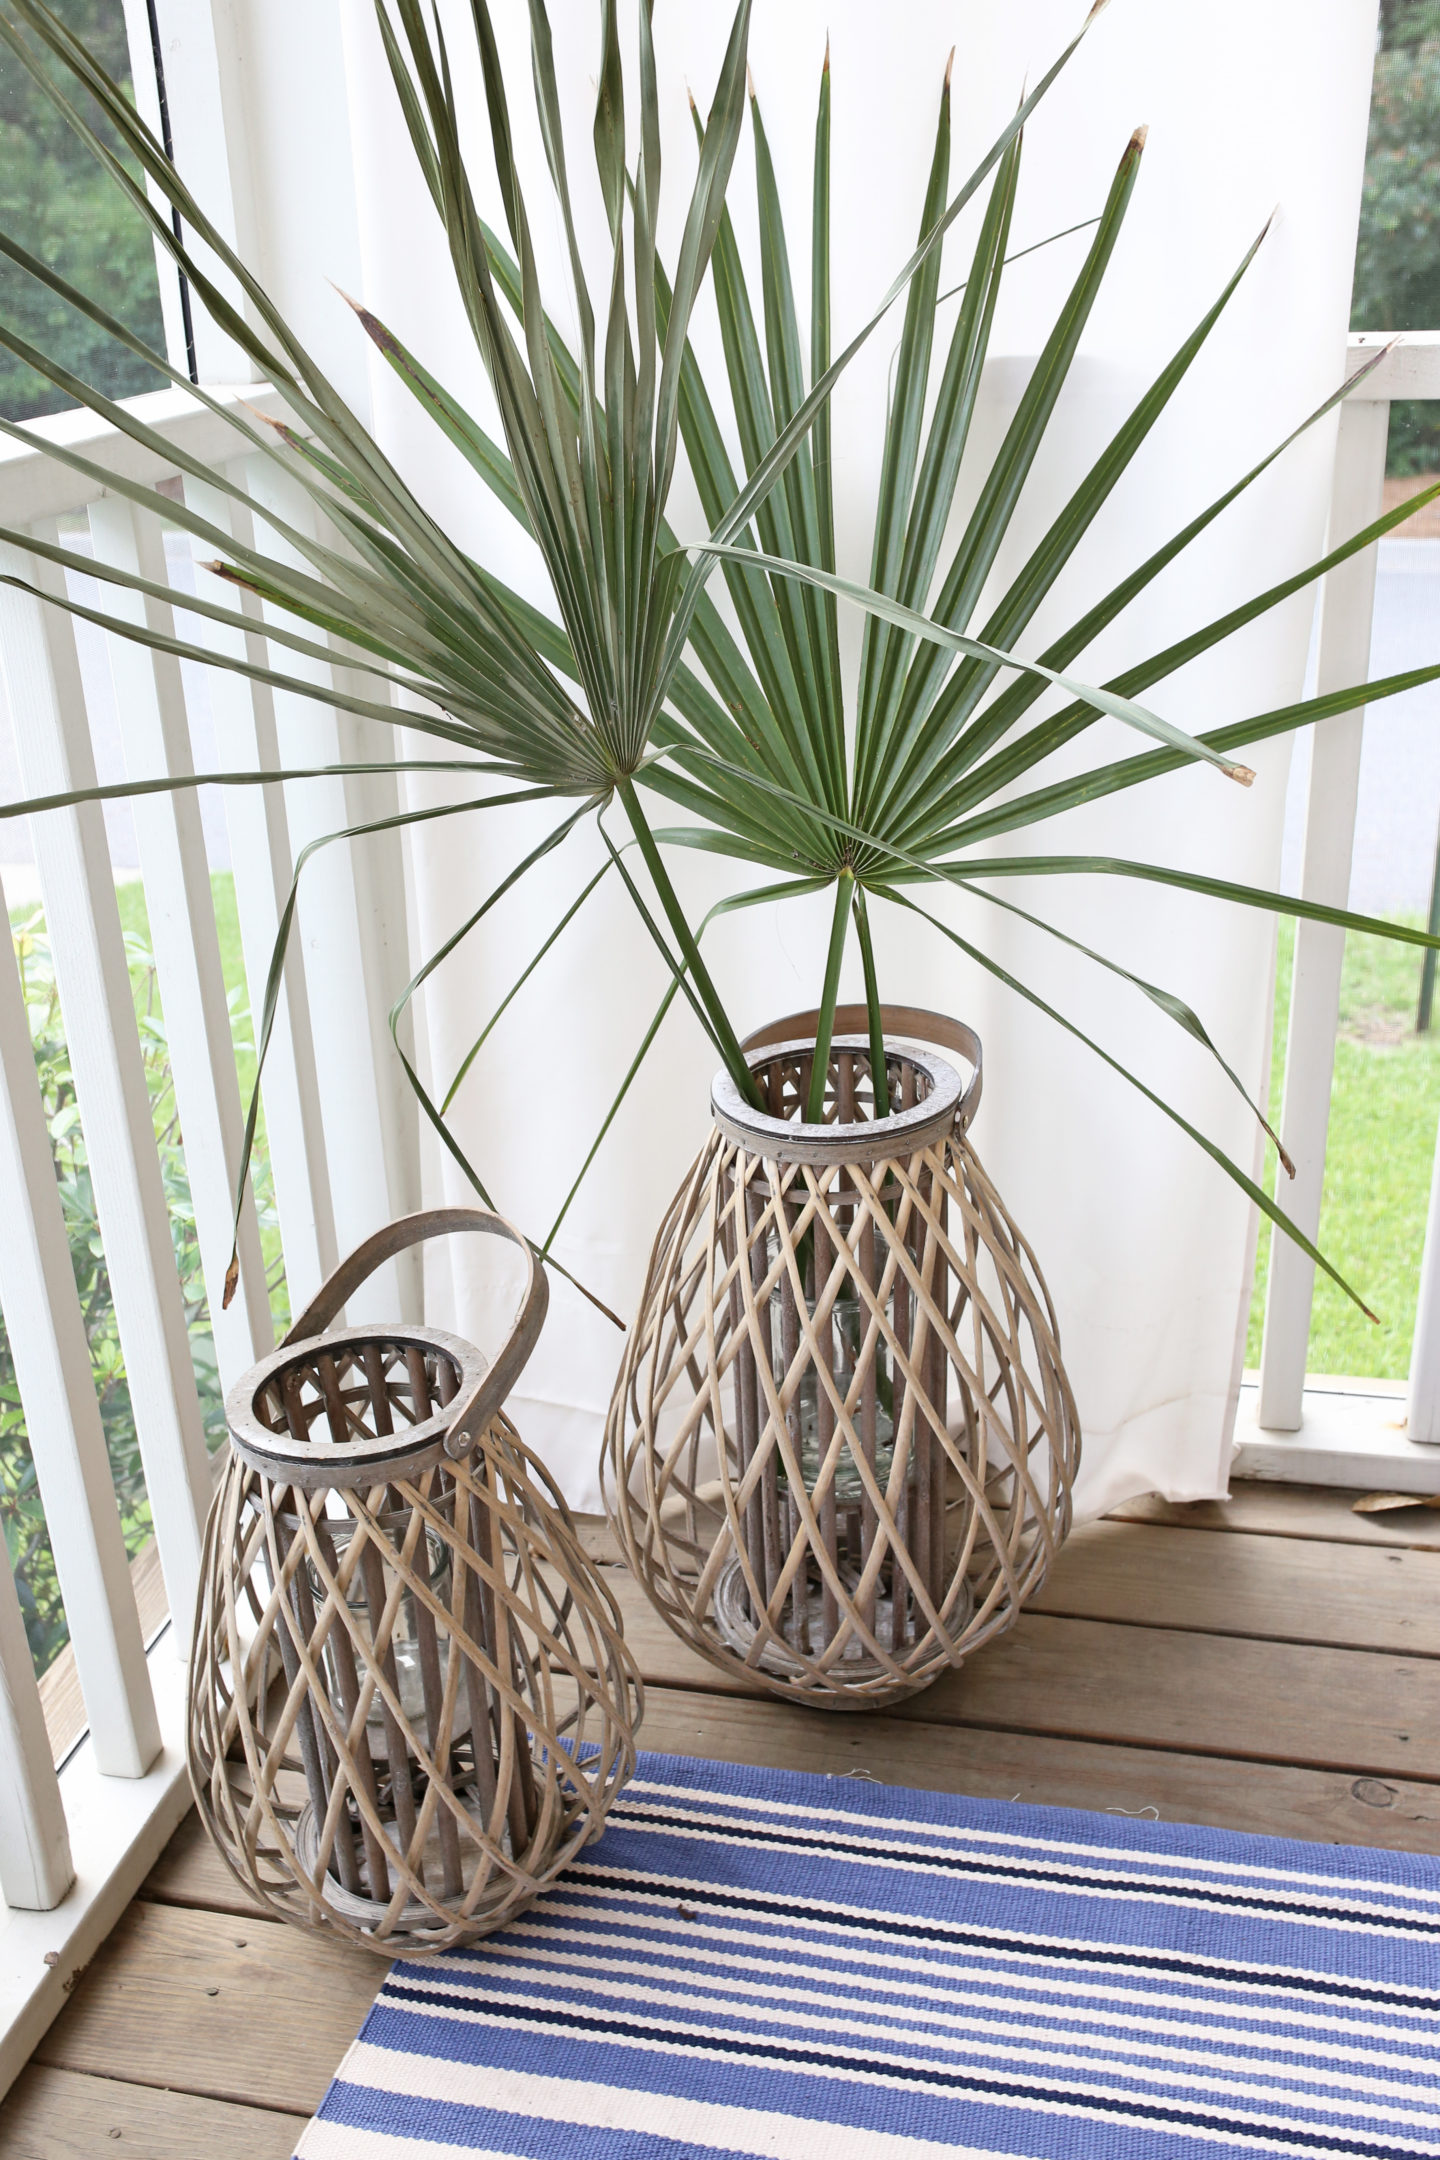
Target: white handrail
35, 485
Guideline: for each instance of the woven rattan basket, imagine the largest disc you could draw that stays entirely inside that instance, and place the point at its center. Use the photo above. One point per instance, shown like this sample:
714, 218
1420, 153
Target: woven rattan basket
841, 1447
410, 1698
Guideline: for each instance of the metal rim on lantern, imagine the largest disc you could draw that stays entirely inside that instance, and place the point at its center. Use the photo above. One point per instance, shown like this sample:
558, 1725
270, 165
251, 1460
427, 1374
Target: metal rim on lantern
792, 1140
368, 1458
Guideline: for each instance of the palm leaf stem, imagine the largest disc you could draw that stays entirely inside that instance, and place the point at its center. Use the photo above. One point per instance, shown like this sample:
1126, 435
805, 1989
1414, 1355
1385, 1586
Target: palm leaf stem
879, 1071
829, 995
518, 985
726, 1040
756, 897
1175, 1008
1247, 1185
1253, 896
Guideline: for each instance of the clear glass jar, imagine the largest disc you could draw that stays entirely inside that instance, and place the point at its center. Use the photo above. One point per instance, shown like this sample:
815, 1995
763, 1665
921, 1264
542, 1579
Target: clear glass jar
848, 1319
404, 1639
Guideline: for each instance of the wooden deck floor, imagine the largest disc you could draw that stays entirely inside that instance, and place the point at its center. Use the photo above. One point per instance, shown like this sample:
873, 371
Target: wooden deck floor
1270, 1665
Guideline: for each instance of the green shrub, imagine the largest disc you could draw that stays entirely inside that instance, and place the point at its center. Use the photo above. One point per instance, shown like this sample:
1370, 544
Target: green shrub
26, 1536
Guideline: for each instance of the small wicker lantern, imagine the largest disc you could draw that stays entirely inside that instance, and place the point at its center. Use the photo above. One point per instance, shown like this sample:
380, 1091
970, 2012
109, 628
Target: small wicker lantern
411, 1701
841, 1447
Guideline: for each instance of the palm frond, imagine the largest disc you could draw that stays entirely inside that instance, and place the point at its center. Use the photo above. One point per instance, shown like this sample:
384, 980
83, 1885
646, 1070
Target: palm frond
639, 687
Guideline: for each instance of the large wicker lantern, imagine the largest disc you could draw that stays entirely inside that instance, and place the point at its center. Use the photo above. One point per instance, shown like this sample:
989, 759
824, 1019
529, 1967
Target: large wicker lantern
411, 1701
842, 1444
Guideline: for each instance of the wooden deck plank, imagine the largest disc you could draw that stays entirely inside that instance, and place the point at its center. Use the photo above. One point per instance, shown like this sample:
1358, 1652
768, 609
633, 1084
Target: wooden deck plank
1294, 1511
249, 2011
145, 2010
1269, 1799
1277, 1679
61, 2115
1317, 1707
191, 1872
1286, 1589
1205, 1694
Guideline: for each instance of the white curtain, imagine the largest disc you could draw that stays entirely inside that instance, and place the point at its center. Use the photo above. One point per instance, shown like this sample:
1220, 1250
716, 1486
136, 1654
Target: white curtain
1147, 1247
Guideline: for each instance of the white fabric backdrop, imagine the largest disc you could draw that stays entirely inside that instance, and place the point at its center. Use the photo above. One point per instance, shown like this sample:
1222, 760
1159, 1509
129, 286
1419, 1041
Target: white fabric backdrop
1252, 104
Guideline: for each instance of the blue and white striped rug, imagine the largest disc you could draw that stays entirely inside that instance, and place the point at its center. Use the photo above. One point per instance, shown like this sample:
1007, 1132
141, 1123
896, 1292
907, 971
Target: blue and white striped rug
753, 1962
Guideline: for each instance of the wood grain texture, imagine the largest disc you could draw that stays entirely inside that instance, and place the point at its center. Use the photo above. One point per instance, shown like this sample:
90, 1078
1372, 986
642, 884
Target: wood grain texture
1288, 1589
865, 1266
61, 2115
1295, 1511
1268, 1799
60, 1696
1277, 1679
1314, 1706
1205, 1694
249, 2011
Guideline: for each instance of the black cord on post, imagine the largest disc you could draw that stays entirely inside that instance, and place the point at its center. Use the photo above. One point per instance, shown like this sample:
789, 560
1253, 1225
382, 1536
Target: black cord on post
192, 366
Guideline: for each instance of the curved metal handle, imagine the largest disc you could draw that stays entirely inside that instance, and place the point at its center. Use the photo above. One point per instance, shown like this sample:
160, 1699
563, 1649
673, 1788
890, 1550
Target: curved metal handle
471, 1413
897, 1020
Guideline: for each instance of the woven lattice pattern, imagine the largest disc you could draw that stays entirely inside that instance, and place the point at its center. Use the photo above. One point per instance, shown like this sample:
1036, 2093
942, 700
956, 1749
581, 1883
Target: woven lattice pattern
411, 1704
842, 1444
359, 1389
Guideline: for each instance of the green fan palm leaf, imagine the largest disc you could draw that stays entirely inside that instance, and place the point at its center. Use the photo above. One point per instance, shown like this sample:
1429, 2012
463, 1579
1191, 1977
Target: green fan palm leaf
645, 686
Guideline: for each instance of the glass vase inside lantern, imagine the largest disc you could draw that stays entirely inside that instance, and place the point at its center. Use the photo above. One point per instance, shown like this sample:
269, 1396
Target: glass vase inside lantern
415, 1637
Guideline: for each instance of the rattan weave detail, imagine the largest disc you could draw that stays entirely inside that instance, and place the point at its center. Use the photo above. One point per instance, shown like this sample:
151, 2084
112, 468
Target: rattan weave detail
841, 1448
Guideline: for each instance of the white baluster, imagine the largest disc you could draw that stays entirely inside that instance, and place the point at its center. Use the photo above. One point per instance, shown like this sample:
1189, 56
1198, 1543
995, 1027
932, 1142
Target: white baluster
1346, 608
245, 736
330, 921
150, 703
35, 1868
46, 1333
1423, 1416
47, 706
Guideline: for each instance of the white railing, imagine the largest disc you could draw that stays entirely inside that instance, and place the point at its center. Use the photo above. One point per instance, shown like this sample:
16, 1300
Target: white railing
1338, 1439
75, 1845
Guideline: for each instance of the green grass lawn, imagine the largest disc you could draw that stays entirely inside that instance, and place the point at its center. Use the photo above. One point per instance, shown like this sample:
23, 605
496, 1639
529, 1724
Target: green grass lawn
1384, 1109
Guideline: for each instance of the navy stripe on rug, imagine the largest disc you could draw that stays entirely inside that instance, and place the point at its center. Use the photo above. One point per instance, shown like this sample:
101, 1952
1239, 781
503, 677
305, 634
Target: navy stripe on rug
774, 1966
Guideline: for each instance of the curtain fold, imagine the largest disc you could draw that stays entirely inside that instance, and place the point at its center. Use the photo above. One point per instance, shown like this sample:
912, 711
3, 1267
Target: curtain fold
1145, 1244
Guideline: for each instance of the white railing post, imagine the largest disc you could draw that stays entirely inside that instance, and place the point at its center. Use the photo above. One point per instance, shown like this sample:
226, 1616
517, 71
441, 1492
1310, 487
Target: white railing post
46, 1334
35, 1866
246, 737
150, 703
1423, 1416
329, 919
1347, 604
47, 707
